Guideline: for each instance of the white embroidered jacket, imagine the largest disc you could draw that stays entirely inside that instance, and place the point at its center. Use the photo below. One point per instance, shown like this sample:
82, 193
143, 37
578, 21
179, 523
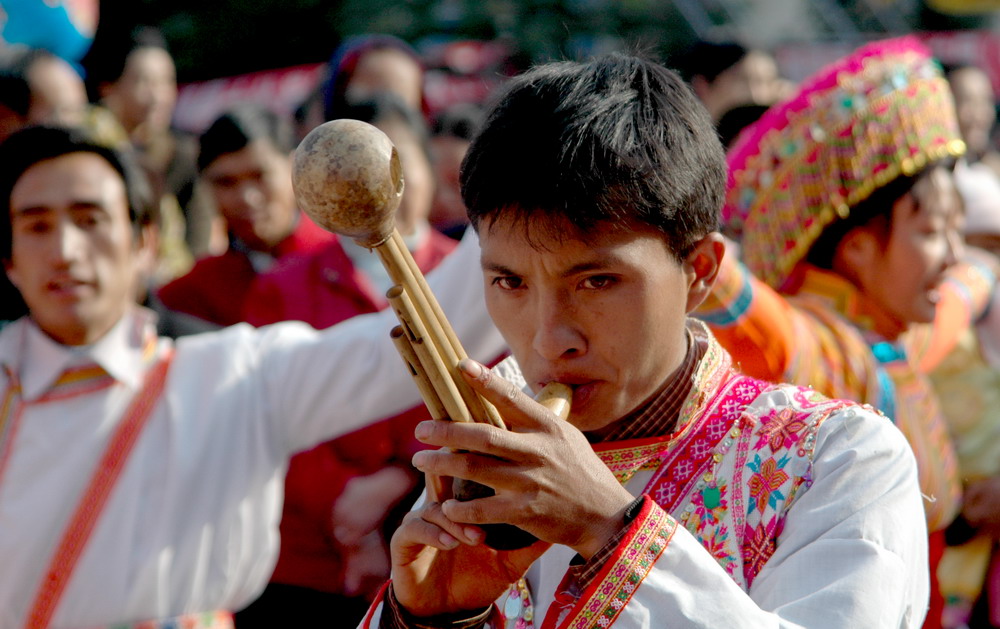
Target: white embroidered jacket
770, 506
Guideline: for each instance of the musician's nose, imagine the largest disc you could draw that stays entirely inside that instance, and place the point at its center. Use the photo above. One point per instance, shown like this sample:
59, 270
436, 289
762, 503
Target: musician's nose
557, 333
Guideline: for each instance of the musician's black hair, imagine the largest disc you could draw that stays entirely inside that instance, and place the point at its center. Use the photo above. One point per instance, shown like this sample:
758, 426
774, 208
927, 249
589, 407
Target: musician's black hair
617, 140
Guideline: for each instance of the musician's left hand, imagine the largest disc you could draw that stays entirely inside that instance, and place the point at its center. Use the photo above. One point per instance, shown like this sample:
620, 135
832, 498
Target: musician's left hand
548, 480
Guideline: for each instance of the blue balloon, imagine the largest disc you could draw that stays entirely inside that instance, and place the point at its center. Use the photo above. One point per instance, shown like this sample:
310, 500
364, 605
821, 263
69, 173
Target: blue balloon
46, 24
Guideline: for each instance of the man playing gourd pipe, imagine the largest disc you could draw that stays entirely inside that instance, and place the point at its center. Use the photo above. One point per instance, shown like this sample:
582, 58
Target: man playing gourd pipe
755, 504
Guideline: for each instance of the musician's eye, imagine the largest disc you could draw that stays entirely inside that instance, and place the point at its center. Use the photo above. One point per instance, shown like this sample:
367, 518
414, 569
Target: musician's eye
507, 282
597, 282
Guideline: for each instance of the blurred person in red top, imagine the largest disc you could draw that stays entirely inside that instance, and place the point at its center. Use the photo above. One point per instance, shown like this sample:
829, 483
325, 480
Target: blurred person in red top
245, 159
340, 496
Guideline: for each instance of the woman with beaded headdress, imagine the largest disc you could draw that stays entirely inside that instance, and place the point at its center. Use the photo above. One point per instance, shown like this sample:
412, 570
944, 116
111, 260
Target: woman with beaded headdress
852, 283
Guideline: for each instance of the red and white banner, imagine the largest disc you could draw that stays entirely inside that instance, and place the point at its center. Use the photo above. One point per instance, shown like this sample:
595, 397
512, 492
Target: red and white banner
458, 72
199, 104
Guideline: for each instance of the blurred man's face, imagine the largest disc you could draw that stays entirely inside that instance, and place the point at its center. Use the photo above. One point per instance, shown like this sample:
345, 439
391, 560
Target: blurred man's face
448, 208
418, 176
387, 70
605, 315
975, 106
73, 249
143, 98
252, 188
751, 81
57, 93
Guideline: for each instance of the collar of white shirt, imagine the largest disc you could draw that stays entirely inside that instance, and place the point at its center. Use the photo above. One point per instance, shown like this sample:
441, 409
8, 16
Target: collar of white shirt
39, 360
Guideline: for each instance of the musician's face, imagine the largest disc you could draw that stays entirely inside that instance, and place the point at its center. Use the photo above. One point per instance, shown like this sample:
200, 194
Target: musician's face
604, 313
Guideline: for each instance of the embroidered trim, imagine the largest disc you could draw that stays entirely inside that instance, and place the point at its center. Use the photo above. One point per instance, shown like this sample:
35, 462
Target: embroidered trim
742, 454
73, 382
604, 601
625, 462
77, 381
781, 465
206, 620
379, 601
688, 461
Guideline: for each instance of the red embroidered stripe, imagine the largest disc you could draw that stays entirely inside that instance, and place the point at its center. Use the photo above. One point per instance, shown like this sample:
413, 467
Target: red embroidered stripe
10, 419
686, 462
637, 455
95, 497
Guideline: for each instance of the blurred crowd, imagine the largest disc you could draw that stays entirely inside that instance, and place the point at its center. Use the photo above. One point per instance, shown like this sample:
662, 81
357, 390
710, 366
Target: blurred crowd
230, 246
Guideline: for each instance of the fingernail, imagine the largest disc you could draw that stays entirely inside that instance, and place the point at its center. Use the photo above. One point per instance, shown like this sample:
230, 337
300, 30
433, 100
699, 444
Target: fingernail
422, 430
474, 535
470, 367
447, 541
419, 459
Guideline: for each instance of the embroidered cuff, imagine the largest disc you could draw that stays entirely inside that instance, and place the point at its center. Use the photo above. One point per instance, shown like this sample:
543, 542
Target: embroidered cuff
395, 616
645, 540
583, 572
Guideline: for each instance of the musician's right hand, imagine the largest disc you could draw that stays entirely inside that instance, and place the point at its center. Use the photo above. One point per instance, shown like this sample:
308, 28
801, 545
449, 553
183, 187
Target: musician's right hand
440, 566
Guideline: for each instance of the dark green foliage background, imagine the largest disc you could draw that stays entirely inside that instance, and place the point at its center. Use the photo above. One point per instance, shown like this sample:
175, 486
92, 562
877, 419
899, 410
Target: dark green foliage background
212, 38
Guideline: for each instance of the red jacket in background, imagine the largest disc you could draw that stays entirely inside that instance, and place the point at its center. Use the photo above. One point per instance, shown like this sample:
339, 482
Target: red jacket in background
215, 289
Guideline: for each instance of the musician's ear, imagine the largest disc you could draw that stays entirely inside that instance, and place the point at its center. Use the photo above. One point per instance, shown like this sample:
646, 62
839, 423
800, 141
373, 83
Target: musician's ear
701, 267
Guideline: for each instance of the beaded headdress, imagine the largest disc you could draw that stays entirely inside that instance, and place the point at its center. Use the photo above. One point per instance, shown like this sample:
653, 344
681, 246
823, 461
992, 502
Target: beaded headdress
882, 112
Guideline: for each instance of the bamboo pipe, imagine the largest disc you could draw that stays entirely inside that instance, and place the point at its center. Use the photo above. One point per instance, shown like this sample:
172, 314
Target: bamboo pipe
404, 345
430, 359
478, 407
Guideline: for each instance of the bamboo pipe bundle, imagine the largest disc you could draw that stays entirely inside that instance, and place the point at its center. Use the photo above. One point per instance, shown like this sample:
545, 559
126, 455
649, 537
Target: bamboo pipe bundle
347, 177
